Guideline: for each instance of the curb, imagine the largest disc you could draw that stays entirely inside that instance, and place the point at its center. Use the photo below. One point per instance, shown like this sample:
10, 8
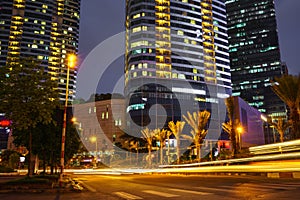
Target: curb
286, 175
295, 175
10, 174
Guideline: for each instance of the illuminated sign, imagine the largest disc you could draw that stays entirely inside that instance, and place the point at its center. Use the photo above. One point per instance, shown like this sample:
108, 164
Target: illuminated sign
136, 107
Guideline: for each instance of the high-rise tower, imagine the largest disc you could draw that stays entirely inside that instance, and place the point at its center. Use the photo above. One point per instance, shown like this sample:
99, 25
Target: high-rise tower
46, 30
177, 57
254, 53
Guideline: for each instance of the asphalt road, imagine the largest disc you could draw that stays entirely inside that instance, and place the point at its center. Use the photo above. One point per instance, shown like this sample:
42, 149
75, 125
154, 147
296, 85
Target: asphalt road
171, 187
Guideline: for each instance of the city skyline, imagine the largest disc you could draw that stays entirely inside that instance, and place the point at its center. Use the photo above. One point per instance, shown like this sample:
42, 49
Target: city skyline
101, 22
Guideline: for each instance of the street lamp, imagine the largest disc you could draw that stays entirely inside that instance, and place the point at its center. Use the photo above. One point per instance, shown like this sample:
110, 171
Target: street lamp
94, 139
71, 64
240, 130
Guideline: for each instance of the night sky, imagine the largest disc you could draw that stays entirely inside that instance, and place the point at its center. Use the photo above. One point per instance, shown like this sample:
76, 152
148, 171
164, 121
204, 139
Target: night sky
101, 19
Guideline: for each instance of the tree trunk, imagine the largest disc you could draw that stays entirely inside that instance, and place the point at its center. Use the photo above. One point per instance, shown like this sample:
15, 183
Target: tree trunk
149, 155
281, 133
294, 115
161, 153
137, 156
178, 151
52, 163
234, 143
30, 166
198, 147
44, 161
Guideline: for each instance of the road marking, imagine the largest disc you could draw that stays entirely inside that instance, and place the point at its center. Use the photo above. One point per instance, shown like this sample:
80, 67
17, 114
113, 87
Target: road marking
273, 186
128, 196
214, 189
190, 191
246, 186
162, 194
91, 189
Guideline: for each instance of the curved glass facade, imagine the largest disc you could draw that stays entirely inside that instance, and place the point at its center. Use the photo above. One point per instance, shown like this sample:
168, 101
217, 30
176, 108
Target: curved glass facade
177, 57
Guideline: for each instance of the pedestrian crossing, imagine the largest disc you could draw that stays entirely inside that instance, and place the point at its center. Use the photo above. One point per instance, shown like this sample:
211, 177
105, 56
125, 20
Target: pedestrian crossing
199, 191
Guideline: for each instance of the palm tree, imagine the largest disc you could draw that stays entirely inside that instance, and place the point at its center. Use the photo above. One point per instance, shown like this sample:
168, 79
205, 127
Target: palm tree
134, 144
177, 130
287, 89
161, 135
231, 126
281, 126
148, 137
198, 122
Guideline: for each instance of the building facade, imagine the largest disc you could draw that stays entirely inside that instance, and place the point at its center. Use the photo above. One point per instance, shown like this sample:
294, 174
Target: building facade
176, 61
46, 30
252, 130
100, 124
255, 54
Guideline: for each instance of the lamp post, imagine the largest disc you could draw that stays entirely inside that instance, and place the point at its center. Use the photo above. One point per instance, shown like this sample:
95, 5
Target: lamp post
71, 63
94, 139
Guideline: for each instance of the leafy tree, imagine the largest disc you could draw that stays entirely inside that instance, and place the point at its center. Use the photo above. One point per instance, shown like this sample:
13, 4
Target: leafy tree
231, 126
198, 122
148, 137
176, 129
46, 141
28, 97
287, 89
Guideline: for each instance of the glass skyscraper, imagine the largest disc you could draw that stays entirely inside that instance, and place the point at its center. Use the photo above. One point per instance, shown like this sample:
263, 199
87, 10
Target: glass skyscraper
46, 30
176, 61
255, 54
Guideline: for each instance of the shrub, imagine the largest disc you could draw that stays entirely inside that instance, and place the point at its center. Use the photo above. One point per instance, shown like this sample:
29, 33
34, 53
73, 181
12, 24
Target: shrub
4, 169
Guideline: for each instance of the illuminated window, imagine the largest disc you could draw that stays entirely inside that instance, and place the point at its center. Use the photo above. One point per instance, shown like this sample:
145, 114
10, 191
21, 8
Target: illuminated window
139, 43
194, 42
180, 32
186, 41
136, 29
144, 28
136, 16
